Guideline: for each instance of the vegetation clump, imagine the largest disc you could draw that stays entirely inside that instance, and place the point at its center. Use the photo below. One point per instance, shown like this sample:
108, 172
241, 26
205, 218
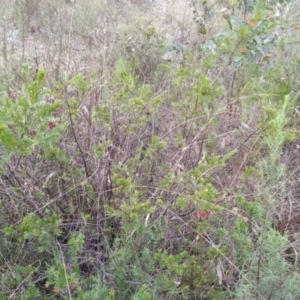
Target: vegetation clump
149, 150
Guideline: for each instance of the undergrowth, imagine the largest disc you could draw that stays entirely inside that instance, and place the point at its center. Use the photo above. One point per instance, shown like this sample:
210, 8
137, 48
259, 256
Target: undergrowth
149, 156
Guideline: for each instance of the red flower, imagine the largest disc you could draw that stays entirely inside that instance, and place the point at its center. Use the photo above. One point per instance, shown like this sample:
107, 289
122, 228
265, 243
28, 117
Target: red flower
51, 125
32, 133
70, 268
203, 214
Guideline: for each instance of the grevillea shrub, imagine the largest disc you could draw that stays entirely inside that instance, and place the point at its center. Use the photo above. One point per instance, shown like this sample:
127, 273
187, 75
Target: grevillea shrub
140, 166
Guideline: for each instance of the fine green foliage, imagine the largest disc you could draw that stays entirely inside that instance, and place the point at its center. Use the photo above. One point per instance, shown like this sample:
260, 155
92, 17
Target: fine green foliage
149, 150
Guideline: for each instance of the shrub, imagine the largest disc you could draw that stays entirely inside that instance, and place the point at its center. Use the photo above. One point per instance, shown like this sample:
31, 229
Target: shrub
126, 175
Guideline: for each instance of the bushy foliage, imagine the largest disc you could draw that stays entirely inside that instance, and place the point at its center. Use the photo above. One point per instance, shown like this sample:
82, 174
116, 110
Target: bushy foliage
136, 165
